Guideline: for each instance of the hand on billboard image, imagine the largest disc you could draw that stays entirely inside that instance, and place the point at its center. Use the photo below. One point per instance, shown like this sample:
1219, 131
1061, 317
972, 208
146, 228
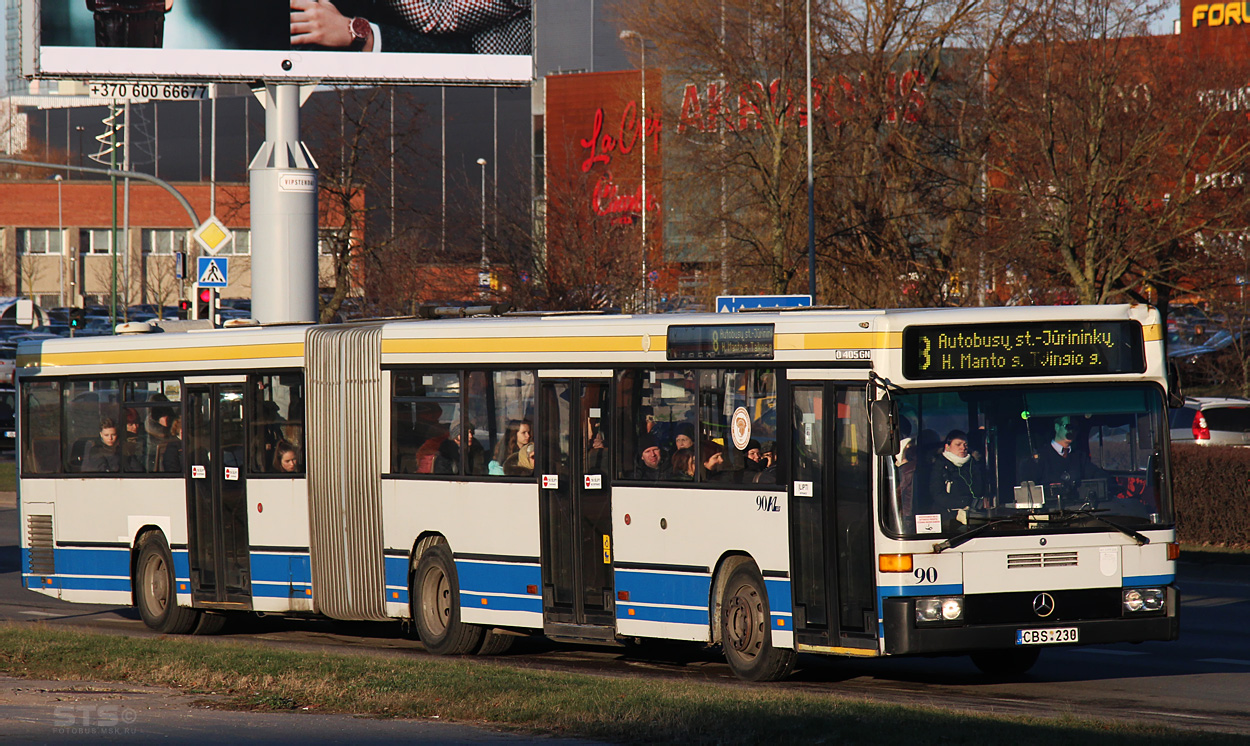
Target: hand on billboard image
129, 23
448, 26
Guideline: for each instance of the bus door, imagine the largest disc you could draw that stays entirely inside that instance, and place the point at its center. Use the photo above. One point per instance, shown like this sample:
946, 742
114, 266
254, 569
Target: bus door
214, 457
575, 503
831, 532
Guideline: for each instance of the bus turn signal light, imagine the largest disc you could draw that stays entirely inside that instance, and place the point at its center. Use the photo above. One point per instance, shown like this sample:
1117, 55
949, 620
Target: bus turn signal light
894, 562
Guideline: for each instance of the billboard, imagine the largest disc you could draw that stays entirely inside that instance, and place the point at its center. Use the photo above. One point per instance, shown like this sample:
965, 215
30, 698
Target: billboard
344, 41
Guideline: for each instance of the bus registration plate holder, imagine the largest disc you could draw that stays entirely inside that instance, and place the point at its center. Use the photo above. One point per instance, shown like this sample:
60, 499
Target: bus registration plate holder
1052, 636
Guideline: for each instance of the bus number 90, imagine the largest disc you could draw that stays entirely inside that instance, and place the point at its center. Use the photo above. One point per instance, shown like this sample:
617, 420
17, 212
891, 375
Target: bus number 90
925, 574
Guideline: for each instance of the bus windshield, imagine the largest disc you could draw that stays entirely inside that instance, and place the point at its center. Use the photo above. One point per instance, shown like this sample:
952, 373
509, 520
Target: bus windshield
1027, 458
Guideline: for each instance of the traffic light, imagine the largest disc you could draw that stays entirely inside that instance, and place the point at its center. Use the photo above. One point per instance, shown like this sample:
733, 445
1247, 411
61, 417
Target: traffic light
204, 304
184, 309
77, 318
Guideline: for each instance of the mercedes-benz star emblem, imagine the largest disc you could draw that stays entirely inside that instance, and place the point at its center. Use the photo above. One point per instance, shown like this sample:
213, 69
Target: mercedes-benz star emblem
1043, 604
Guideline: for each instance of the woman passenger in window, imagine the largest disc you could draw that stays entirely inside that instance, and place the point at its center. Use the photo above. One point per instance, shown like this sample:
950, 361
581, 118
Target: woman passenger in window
286, 458
520, 463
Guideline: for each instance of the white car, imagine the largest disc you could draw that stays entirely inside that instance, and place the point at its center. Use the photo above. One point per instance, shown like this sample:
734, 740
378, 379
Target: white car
1211, 420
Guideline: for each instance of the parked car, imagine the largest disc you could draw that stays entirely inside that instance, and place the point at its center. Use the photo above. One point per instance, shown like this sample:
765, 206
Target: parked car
8, 417
1208, 420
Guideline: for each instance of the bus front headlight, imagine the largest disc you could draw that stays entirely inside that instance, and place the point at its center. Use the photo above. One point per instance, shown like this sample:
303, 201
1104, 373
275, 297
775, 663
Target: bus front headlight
938, 609
1144, 600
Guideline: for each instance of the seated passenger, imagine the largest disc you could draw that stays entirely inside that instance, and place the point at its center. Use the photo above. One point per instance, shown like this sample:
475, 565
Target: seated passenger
713, 463
286, 458
520, 463
650, 460
104, 454
956, 480
171, 449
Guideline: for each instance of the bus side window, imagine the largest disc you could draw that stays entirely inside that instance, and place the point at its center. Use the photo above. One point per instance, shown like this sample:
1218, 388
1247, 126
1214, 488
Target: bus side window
41, 427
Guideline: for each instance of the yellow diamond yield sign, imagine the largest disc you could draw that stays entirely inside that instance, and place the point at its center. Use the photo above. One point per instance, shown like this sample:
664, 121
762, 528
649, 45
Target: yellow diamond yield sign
212, 235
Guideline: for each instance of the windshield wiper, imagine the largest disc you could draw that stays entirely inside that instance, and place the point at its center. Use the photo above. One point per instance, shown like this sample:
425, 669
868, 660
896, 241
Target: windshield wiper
1130, 533
955, 541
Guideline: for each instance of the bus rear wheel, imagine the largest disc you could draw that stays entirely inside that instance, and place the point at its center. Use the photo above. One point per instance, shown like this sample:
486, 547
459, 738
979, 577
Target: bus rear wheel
435, 596
154, 585
746, 630
1006, 663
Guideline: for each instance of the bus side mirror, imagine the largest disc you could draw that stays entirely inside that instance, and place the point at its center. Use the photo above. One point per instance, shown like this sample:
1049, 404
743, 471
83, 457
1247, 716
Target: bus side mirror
1175, 400
884, 418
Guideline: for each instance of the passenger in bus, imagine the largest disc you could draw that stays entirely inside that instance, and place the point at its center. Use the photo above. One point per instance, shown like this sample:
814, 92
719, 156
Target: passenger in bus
650, 465
134, 443
171, 450
685, 465
286, 458
157, 428
104, 453
713, 463
520, 463
448, 459
956, 481
596, 451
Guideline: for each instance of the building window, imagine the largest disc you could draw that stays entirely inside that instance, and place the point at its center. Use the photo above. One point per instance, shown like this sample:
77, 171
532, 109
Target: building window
328, 240
164, 241
241, 244
98, 241
38, 241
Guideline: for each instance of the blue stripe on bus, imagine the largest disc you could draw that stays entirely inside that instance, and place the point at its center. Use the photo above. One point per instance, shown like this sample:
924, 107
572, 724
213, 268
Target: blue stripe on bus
890, 591
1139, 580
487, 578
664, 588
778, 596
674, 615
501, 603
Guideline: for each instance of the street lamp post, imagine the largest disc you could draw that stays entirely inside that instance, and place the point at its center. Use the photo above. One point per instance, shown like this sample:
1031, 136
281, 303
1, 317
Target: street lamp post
60, 238
79, 129
642, 66
483, 278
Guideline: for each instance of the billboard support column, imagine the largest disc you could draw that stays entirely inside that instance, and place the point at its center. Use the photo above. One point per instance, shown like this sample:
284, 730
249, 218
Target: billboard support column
283, 187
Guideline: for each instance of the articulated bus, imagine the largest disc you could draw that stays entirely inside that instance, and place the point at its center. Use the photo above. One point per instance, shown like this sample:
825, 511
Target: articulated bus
983, 482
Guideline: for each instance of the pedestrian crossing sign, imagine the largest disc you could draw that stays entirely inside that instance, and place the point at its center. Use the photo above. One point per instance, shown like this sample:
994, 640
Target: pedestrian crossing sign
212, 272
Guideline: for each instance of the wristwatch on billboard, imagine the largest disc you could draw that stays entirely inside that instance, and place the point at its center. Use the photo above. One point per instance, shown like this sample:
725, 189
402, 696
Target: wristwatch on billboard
360, 32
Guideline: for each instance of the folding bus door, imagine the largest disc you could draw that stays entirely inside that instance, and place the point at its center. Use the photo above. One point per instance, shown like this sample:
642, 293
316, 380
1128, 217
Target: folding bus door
831, 533
575, 503
214, 455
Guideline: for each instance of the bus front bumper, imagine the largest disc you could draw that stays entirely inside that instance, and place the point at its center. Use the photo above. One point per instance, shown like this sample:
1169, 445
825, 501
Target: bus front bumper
903, 636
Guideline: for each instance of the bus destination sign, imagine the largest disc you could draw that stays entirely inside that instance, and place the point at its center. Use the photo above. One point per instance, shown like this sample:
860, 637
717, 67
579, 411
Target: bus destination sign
721, 342
1053, 348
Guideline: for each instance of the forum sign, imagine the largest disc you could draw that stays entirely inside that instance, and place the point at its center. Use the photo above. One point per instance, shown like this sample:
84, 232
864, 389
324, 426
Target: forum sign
332, 41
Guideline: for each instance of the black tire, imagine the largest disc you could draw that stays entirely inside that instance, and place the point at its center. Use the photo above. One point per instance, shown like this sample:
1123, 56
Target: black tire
155, 584
435, 594
210, 623
495, 643
746, 629
1006, 663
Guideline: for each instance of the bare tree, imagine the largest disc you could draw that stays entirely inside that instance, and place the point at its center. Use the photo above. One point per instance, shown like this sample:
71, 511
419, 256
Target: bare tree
1110, 164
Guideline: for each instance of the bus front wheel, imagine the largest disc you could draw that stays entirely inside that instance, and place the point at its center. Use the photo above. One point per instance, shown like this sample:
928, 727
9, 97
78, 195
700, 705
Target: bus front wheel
746, 630
436, 606
154, 589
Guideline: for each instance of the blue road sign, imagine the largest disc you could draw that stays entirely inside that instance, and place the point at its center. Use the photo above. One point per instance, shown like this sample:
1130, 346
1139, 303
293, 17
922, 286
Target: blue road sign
212, 271
732, 303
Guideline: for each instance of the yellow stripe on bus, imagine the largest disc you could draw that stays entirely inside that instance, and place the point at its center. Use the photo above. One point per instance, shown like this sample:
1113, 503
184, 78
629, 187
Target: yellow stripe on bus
162, 355
521, 344
840, 341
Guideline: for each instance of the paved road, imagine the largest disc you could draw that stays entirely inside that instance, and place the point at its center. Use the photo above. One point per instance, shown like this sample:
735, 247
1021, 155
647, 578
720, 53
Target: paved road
1201, 681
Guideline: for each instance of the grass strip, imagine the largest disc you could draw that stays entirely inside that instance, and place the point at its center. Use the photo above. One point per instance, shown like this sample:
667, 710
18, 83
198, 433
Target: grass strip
605, 708
8, 476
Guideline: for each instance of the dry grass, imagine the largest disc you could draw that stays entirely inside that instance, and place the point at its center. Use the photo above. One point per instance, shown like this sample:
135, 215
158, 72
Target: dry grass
610, 709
